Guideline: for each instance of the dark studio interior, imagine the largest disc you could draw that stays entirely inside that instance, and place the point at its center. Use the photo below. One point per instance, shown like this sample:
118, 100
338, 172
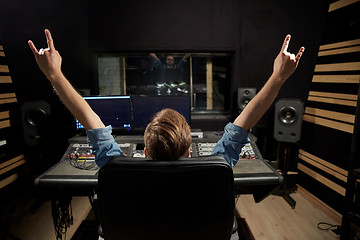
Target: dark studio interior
114, 53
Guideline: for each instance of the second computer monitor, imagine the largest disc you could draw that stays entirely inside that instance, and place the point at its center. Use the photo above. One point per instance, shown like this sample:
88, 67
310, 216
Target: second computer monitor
145, 107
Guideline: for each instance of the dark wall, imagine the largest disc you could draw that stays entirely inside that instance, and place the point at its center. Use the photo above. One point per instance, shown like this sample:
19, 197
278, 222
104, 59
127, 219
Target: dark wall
252, 30
22, 20
264, 25
164, 25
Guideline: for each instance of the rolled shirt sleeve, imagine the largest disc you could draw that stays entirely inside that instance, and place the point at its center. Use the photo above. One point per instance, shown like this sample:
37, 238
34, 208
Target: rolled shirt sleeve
103, 145
231, 143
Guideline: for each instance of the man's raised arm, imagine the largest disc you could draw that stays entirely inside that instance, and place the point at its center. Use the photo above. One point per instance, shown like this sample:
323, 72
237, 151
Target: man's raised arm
49, 61
284, 65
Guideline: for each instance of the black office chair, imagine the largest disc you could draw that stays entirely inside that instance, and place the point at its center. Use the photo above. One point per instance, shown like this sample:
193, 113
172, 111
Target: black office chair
182, 199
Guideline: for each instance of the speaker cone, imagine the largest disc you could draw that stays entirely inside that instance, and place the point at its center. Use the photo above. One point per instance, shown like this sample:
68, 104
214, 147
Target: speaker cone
36, 117
243, 102
287, 115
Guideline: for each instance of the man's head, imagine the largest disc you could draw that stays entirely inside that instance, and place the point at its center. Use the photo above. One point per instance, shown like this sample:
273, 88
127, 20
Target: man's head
167, 136
169, 62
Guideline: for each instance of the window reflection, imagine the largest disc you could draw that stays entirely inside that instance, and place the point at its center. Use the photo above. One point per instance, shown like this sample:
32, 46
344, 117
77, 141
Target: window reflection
204, 77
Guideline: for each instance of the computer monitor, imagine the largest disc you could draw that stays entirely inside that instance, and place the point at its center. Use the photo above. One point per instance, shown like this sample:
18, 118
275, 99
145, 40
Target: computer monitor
112, 110
145, 107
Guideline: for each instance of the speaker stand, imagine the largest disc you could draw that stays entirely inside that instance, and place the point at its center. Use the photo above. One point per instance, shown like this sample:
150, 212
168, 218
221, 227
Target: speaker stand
284, 191
286, 154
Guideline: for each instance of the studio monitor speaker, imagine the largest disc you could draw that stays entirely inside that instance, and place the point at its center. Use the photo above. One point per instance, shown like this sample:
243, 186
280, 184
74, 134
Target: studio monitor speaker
244, 97
288, 120
35, 119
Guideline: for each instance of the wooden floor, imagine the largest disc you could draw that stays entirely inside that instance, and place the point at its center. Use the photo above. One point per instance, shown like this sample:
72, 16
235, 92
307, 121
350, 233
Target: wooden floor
39, 226
273, 218
270, 219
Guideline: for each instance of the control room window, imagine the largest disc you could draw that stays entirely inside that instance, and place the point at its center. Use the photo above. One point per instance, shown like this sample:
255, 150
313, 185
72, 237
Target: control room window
204, 77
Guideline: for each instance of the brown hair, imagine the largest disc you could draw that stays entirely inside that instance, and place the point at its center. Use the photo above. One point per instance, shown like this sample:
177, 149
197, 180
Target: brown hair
167, 136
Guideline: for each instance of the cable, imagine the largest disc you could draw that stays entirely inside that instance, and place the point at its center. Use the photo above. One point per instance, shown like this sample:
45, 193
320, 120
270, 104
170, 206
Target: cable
237, 196
335, 228
82, 158
62, 216
83, 164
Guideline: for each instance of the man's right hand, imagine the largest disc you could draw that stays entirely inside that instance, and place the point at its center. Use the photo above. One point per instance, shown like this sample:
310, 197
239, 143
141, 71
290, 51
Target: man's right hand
48, 59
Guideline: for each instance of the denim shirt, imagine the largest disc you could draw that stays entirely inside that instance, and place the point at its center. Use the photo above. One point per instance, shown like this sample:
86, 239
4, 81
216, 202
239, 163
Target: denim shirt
104, 146
231, 143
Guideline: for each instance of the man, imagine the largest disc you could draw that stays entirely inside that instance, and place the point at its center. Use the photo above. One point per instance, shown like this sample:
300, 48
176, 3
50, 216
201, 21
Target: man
170, 61
170, 75
167, 136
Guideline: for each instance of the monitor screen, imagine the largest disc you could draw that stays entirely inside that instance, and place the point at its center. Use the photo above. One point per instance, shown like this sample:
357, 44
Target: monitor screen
145, 107
112, 110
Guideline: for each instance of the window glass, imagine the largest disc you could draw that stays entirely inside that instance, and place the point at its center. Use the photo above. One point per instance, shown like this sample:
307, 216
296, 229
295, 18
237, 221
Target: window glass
204, 77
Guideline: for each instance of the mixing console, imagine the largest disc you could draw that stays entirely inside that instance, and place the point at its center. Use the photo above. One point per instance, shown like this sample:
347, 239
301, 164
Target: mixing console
80, 154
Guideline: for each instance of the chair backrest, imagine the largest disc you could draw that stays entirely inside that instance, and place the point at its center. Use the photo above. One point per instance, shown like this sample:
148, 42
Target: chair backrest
188, 199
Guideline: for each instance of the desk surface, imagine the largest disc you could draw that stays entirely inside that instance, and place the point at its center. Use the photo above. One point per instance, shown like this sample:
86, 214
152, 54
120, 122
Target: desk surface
251, 176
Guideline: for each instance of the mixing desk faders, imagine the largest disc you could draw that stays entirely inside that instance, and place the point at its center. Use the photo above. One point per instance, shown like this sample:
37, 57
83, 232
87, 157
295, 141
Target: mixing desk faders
249, 151
204, 149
